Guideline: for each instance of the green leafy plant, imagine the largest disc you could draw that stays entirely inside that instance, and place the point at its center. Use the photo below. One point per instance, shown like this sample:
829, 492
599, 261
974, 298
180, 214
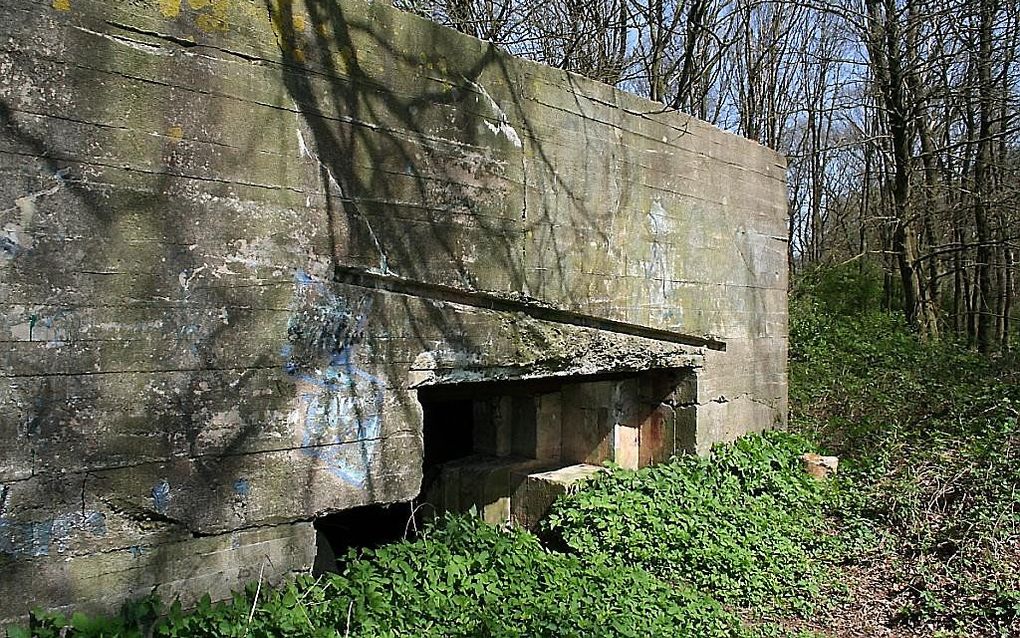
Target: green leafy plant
743, 525
461, 578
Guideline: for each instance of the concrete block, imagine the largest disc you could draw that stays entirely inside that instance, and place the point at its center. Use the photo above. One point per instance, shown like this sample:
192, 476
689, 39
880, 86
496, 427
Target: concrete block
685, 429
536, 491
657, 436
487, 484
587, 429
493, 417
818, 466
213, 329
524, 436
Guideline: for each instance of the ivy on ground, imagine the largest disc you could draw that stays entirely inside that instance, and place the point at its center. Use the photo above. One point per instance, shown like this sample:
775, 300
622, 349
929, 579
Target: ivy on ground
744, 525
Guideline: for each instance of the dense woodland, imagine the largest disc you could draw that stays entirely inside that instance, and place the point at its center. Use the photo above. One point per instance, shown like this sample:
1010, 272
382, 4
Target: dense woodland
899, 119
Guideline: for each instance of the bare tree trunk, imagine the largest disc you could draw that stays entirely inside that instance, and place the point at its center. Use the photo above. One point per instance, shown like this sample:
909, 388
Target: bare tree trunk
982, 182
959, 283
1007, 306
888, 61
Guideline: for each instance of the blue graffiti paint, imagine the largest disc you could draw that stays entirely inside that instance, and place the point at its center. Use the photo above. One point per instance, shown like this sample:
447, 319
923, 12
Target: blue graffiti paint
61, 528
340, 405
30, 538
161, 497
38, 538
302, 278
242, 487
96, 523
190, 336
10, 248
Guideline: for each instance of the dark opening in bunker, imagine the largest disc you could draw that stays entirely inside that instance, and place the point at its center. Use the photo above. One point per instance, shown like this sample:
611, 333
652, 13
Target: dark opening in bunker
447, 429
484, 441
369, 526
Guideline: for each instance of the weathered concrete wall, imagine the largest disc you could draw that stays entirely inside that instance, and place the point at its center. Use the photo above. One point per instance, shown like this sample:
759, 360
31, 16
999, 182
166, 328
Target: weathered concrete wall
236, 235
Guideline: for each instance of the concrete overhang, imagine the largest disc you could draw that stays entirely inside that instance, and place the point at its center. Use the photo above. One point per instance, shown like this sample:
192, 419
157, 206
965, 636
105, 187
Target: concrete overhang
552, 352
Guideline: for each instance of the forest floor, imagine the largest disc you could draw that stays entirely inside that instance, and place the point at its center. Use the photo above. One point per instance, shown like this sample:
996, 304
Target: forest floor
930, 445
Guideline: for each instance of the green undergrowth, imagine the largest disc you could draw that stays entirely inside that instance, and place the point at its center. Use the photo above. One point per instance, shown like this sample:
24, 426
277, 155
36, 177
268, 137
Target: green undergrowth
745, 525
677, 550
930, 446
461, 578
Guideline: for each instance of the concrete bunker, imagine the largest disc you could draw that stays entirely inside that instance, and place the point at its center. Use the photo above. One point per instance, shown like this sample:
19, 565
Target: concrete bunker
260, 258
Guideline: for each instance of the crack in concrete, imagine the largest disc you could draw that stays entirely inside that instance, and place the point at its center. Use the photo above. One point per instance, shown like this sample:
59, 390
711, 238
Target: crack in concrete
114, 467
